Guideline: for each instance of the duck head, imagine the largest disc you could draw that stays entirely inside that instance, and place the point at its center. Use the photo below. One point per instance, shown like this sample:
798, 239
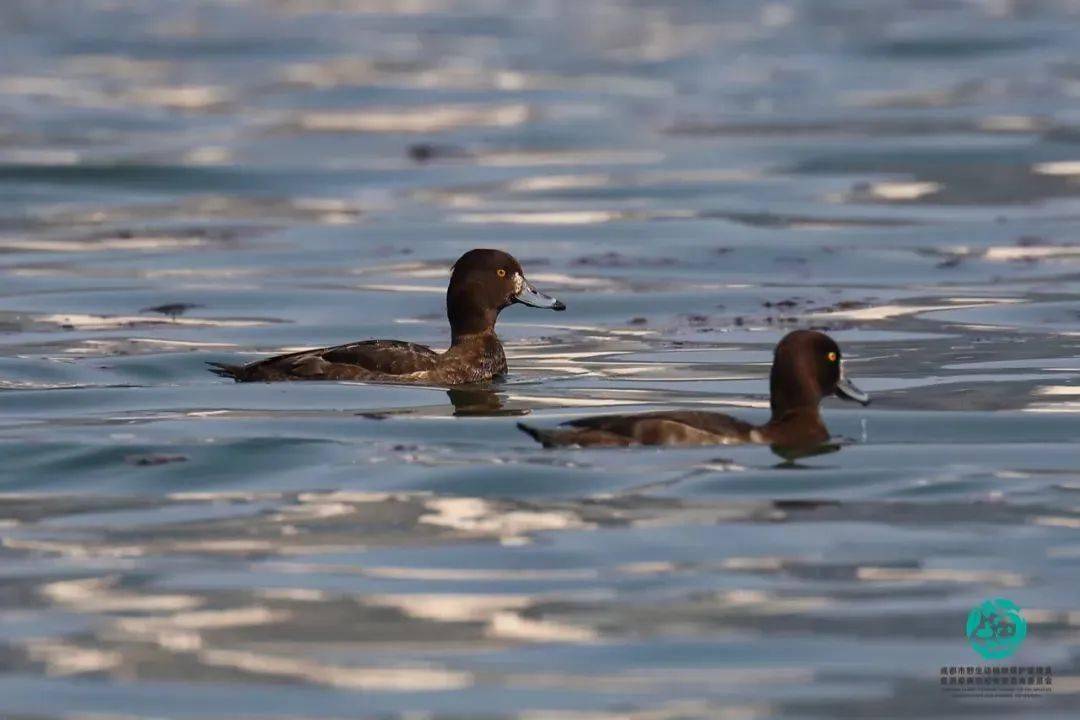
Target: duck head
807, 367
484, 282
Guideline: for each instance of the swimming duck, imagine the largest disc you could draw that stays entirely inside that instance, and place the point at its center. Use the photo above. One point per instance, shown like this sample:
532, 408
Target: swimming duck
482, 283
807, 367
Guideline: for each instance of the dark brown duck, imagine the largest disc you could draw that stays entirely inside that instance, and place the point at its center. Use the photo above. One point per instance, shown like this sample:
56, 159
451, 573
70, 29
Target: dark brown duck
807, 367
482, 283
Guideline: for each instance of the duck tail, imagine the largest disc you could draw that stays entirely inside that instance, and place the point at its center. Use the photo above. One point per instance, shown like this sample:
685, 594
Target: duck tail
236, 372
544, 437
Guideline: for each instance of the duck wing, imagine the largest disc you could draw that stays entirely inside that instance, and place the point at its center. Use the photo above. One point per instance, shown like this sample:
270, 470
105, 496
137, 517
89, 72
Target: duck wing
367, 360
668, 427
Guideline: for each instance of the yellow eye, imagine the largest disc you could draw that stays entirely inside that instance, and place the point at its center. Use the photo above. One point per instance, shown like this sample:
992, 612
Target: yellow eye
500, 272
832, 356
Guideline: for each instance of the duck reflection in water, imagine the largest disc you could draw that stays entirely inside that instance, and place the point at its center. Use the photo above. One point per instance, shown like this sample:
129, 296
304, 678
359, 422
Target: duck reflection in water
481, 402
792, 454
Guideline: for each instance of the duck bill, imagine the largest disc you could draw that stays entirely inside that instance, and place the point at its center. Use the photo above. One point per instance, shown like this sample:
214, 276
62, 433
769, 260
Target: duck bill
528, 295
846, 390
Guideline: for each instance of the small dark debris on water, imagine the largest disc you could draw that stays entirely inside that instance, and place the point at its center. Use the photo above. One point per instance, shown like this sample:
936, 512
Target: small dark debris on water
152, 459
422, 152
739, 321
807, 504
391, 250
614, 259
846, 305
724, 250
951, 262
638, 321
789, 303
173, 310
214, 234
373, 415
697, 319
427, 152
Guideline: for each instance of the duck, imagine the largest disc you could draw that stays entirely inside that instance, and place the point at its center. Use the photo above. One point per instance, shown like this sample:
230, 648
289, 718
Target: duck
483, 282
807, 367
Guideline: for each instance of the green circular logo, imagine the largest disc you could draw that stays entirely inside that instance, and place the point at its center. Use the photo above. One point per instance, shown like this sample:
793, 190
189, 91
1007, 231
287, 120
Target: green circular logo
996, 628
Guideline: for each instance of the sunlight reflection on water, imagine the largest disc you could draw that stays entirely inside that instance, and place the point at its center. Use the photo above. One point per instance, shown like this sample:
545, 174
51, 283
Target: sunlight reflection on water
198, 181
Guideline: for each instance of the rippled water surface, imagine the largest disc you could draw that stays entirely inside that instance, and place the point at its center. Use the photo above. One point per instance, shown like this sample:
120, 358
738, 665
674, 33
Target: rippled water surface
185, 181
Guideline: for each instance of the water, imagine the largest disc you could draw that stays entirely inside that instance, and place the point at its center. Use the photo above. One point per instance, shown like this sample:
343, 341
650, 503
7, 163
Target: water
693, 179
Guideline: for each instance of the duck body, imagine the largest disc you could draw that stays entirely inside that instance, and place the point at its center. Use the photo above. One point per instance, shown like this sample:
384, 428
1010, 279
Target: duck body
482, 284
682, 428
476, 358
806, 368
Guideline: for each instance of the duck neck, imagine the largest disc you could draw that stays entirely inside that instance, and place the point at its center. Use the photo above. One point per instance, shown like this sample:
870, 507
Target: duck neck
476, 340
796, 427
792, 389
477, 357
469, 316
469, 336
794, 397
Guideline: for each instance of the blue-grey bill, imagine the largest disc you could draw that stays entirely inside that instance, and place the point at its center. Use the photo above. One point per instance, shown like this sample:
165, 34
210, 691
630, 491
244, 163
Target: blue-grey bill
846, 389
528, 295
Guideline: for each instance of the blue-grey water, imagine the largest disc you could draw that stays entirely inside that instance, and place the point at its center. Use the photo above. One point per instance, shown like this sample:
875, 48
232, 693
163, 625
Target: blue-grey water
694, 179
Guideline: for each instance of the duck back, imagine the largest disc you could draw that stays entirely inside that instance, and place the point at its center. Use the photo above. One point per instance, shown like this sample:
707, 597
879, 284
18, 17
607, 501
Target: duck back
368, 360
674, 427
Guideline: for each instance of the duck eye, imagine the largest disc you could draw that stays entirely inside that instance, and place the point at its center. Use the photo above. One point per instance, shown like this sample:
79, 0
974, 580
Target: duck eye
832, 356
500, 272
